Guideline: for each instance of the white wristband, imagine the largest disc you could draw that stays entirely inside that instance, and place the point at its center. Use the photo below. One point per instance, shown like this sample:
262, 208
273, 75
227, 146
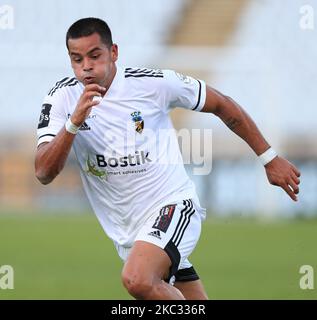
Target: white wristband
70, 127
267, 156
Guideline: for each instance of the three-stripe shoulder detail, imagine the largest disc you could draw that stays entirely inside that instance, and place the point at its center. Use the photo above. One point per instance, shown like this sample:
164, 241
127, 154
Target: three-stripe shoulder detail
143, 72
66, 82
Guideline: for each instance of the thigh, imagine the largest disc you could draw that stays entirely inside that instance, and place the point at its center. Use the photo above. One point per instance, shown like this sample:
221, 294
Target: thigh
147, 260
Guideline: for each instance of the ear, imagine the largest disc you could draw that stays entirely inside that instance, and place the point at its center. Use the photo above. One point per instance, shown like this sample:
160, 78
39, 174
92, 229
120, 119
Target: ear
114, 53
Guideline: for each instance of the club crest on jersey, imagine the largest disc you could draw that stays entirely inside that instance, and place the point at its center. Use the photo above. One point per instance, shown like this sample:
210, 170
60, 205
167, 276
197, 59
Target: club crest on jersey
139, 122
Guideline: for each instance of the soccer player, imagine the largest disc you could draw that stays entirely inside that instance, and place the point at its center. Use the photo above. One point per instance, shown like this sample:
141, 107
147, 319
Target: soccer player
117, 121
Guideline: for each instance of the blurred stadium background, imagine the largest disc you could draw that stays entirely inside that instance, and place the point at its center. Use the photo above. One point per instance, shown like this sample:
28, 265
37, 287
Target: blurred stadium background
260, 52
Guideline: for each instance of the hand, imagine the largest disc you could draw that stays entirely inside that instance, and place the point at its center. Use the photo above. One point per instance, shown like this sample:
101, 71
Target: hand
282, 173
86, 102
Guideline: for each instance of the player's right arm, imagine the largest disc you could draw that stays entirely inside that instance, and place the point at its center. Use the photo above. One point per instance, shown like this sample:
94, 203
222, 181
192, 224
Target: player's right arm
51, 155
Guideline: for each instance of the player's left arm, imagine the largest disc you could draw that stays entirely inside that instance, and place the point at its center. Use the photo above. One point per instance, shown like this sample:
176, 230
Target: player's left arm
279, 171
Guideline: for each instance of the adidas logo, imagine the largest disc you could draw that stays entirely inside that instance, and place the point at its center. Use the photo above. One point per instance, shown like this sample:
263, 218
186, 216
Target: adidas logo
155, 234
84, 126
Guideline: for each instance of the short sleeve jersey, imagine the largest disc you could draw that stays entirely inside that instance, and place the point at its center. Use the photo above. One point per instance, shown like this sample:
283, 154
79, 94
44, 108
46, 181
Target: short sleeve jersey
127, 148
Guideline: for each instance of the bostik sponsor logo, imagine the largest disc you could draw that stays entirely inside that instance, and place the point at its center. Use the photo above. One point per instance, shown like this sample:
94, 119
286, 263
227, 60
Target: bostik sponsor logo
136, 159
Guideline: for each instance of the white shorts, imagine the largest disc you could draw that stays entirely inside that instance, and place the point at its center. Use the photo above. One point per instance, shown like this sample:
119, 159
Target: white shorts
175, 228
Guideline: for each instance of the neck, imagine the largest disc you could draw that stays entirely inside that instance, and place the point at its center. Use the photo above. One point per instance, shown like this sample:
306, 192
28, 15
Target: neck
108, 82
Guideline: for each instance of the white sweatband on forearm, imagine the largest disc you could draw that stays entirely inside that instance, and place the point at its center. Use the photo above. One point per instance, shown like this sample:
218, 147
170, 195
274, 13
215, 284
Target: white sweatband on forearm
267, 156
70, 127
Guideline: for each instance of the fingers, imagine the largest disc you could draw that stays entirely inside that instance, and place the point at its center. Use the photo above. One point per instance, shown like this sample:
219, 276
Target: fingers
289, 191
289, 184
91, 94
294, 186
91, 91
296, 171
293, 182
95, 87
93, 103
291, 188
87, 101
295, 178
285, 175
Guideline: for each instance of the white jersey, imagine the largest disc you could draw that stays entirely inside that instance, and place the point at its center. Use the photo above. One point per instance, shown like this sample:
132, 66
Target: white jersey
127, 150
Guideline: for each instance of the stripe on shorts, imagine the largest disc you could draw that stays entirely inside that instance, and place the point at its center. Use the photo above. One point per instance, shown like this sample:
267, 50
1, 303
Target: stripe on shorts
183, 222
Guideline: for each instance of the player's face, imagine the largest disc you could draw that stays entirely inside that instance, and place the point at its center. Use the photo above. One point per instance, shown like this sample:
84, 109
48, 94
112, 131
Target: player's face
92, 61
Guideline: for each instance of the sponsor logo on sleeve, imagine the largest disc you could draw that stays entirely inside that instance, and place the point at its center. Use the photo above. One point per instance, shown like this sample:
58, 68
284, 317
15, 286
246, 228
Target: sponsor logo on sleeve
45, 116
